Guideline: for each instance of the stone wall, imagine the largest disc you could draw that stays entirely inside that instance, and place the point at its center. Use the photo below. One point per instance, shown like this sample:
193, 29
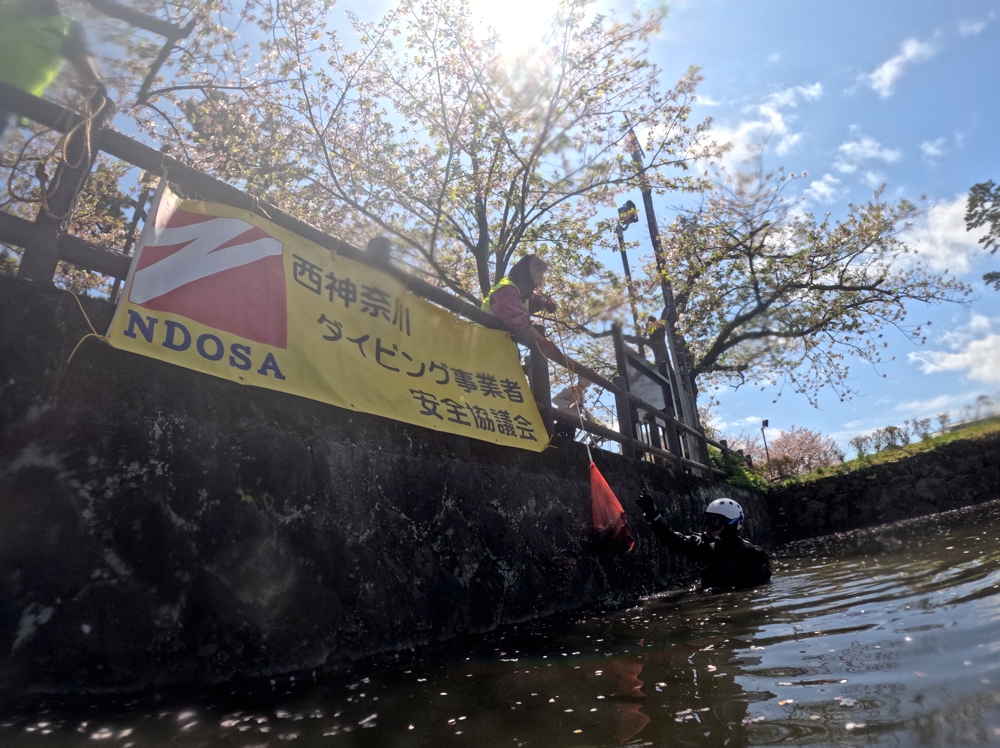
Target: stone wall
954, 475
163, 526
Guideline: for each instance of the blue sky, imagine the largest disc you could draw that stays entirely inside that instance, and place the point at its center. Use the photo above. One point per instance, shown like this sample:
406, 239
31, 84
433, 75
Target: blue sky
857, 94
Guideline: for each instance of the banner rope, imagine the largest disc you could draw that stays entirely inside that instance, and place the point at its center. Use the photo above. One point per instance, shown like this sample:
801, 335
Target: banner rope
92, 334
573, 388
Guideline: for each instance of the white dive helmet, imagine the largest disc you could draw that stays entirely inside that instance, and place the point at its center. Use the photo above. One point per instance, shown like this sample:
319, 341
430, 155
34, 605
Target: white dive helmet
728, 509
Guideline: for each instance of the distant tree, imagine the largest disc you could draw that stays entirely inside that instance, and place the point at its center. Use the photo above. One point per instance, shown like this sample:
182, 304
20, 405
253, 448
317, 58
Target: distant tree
750, 444
983, 406
983, 209
861, 443
922, 428
879, 440
800, 450
895, 437
944, 419
905, 433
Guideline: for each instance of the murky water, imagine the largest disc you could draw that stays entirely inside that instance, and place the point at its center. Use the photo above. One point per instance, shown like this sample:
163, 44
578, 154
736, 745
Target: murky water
889, 637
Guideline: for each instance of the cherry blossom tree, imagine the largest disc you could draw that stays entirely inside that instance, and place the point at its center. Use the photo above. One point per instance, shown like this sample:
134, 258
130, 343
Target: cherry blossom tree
800, 450
769, 294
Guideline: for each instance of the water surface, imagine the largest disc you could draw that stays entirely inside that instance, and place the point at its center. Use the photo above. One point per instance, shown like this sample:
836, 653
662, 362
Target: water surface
888, 637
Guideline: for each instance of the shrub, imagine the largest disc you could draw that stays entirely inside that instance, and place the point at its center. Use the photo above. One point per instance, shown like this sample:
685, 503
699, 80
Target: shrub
738, 473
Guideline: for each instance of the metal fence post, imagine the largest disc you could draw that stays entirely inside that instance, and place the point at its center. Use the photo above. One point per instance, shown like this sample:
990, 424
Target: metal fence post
627, 417
83, 143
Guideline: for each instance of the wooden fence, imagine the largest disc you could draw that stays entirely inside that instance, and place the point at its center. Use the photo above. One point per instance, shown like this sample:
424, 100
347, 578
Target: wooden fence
645, 430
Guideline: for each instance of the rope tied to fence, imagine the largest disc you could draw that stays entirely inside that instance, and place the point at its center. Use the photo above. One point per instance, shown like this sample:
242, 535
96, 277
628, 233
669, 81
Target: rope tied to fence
86, 123
574, 388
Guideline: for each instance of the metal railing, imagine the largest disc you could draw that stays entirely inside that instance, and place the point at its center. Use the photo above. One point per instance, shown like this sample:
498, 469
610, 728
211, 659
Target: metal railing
45, 242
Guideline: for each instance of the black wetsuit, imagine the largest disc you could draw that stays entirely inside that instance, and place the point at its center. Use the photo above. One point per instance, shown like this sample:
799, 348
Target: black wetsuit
726, 562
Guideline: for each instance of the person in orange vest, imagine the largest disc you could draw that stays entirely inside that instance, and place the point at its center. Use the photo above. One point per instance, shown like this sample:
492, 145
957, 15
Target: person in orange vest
35, 38
515, 298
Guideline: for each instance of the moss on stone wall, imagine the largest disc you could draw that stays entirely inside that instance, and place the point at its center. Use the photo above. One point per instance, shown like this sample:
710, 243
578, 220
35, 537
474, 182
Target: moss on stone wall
958, 471
164, 526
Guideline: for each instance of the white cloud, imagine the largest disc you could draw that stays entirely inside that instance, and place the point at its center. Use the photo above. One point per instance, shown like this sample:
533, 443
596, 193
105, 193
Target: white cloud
773, 57
971, 28
885, 75
789, 97
873, 179
930, 406
933, 148
961, 336
851, 430
786, 143
853, 153
980, 361
975, 351
769, 122
941, 238
824, 190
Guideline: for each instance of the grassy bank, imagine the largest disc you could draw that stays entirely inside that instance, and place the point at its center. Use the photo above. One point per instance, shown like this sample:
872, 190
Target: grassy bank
894, 454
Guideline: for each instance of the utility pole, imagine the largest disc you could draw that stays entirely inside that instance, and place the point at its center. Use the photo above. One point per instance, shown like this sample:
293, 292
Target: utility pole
674, 340
763, 425
627, 215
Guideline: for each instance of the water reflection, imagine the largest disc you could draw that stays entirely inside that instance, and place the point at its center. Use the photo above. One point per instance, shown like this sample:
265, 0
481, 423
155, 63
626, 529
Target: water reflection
887, 637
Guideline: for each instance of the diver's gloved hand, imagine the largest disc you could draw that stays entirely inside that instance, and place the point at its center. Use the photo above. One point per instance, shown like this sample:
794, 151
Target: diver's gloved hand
648, 506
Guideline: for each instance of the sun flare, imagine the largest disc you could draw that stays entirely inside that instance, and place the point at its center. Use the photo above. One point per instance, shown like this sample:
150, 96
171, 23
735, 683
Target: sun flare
521, 24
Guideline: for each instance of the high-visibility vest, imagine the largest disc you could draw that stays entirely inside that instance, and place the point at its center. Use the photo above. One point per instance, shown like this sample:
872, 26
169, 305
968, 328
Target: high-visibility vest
31, 47
505, 282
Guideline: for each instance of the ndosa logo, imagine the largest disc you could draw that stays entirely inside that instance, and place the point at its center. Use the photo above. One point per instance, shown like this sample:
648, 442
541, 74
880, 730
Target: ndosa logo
222, 272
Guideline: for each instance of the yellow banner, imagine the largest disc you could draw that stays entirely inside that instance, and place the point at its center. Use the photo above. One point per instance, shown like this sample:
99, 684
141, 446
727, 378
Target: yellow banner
228, 293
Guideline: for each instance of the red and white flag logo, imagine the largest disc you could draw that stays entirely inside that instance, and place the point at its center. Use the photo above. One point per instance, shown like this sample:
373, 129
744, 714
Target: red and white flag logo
221, 272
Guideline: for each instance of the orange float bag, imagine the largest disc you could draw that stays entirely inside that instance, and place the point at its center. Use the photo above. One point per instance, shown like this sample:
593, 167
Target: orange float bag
610, 523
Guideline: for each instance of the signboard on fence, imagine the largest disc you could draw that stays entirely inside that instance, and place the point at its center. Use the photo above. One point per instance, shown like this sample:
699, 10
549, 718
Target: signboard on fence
228, 293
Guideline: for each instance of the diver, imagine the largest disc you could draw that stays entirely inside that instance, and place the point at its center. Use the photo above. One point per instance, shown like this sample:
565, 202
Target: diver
724, 559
